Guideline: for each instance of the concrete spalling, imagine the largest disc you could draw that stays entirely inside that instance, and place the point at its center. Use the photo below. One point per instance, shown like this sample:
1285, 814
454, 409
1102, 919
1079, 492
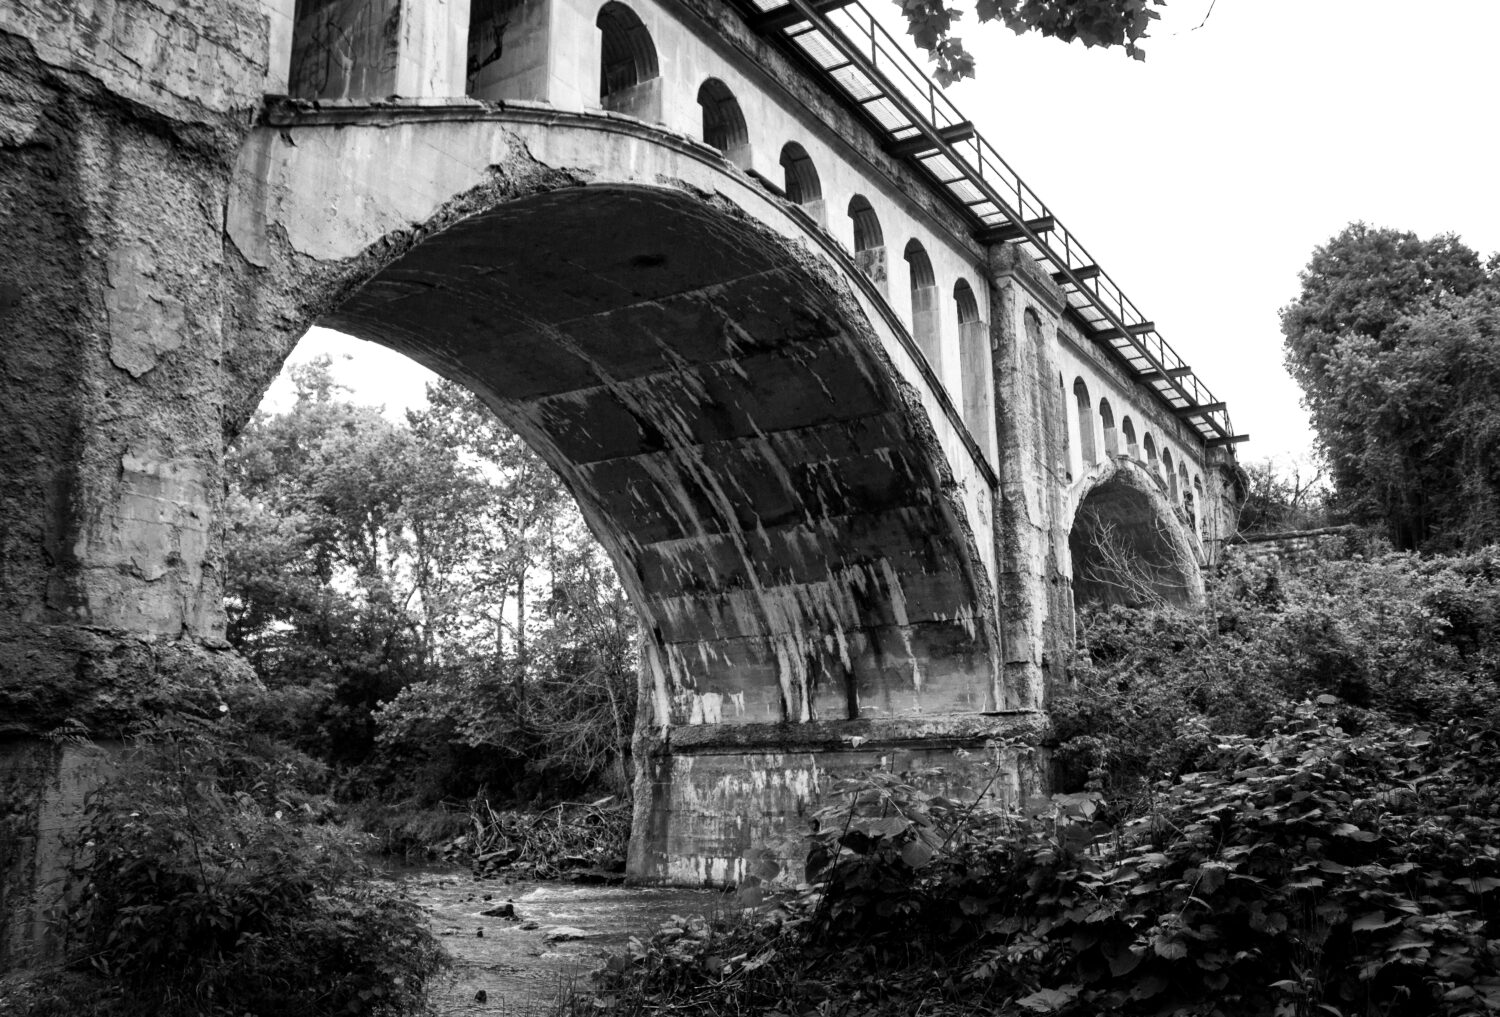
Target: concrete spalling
854, 466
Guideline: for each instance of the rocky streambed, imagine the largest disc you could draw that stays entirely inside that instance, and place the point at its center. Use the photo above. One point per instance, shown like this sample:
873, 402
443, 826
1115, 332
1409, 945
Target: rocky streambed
519, 947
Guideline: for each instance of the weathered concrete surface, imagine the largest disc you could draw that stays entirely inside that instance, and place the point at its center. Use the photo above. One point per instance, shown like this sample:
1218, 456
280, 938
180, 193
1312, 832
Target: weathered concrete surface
118, 127
720, 806
119, 124
1031, 528
723, 405
42, 790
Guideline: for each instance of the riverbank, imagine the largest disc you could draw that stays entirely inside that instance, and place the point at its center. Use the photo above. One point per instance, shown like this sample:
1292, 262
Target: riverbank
525, 945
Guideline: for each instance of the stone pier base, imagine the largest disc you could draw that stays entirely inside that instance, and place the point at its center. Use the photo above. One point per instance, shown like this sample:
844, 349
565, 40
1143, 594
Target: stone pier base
718, 804
42, 790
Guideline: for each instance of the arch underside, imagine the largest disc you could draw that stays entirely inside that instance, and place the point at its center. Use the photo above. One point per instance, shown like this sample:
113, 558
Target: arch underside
1128, 548
773, 500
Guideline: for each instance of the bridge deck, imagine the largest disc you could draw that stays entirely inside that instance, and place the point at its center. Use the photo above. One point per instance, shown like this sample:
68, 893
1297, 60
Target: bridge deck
844, 45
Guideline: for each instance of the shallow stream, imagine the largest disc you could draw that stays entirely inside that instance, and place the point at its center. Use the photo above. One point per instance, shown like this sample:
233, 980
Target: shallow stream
524, 965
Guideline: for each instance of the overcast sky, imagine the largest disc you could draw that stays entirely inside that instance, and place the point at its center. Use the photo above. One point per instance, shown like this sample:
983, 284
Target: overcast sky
1202, 178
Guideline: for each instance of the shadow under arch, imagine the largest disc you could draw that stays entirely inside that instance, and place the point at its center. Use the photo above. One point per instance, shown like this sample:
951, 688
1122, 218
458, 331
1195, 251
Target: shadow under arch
739, 414
774, 497
1127, 543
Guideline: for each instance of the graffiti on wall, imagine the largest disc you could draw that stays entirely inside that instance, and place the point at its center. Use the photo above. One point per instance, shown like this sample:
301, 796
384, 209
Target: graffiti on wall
345, 49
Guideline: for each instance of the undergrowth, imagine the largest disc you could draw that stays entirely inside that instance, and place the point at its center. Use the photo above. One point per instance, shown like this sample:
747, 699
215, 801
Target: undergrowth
1309, 872
208, 884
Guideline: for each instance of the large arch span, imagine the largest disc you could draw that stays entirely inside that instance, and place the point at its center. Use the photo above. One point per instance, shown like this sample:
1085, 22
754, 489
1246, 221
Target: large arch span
796, 511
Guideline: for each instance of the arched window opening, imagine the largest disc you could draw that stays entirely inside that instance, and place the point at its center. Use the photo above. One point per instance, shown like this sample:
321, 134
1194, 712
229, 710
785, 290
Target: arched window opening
869, 241
919, 265
1131, 447
1166, 461
968, 307
801, 177
924, 312
723, 122
1150, 444
1111, 436
1183, 491
1086, 446
974, 364
867, 234
627, 56
1198, 504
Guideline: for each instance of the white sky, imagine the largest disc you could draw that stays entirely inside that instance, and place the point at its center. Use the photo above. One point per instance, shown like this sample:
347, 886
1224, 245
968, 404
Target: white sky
1202, 178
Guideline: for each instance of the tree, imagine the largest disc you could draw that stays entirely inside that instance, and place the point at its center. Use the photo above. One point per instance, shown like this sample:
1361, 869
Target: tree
1093, 22
347, 543
1427, 448
422, 600
1283, 497
1389, 416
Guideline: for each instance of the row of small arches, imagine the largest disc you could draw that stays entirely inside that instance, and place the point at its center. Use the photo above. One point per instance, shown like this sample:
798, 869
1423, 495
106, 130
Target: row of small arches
1183, 492
500, 66
631, 80
629, 61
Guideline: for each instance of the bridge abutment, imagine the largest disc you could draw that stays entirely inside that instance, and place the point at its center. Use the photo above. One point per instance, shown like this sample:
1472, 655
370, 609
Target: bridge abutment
116, 149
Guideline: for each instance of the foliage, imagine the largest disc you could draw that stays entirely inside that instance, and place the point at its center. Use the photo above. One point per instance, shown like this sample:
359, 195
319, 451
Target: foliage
1392, 340
423, 603
1280, 497
205, 887
1416, 638
1311, 871
343, 548
1093, 22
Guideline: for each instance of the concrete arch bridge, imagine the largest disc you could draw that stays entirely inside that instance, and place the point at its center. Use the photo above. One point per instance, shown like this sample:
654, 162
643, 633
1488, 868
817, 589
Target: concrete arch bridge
855, 415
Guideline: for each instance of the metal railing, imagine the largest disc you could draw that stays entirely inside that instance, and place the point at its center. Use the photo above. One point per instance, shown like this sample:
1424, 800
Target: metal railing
845, 44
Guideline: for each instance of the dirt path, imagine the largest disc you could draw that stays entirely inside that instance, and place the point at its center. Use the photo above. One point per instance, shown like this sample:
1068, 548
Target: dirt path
525, 964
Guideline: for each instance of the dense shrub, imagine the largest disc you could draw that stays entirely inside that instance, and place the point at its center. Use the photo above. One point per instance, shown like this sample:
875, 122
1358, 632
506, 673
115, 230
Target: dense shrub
206, 886
1414, 638
1308, 872
1287, 806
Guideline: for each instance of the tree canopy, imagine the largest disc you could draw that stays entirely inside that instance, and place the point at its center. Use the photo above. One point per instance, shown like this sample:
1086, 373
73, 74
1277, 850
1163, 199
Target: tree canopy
1093, 22
424, 597
1393, 340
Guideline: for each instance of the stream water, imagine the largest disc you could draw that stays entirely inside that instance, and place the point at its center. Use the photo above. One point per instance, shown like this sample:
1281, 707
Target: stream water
525, 964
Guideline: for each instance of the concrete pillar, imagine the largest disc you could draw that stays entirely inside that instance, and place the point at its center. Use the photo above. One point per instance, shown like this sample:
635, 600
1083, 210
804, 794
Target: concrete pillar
281, 16
925, 326
433, 50
111, 423
1034, 633
573, 58
978, 384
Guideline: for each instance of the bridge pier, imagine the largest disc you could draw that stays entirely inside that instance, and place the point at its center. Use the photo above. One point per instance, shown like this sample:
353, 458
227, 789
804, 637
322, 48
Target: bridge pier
112, 188
1036, 604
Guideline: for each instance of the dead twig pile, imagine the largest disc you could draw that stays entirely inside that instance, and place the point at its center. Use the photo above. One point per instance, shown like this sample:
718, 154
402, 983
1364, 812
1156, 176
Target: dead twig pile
572, 838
